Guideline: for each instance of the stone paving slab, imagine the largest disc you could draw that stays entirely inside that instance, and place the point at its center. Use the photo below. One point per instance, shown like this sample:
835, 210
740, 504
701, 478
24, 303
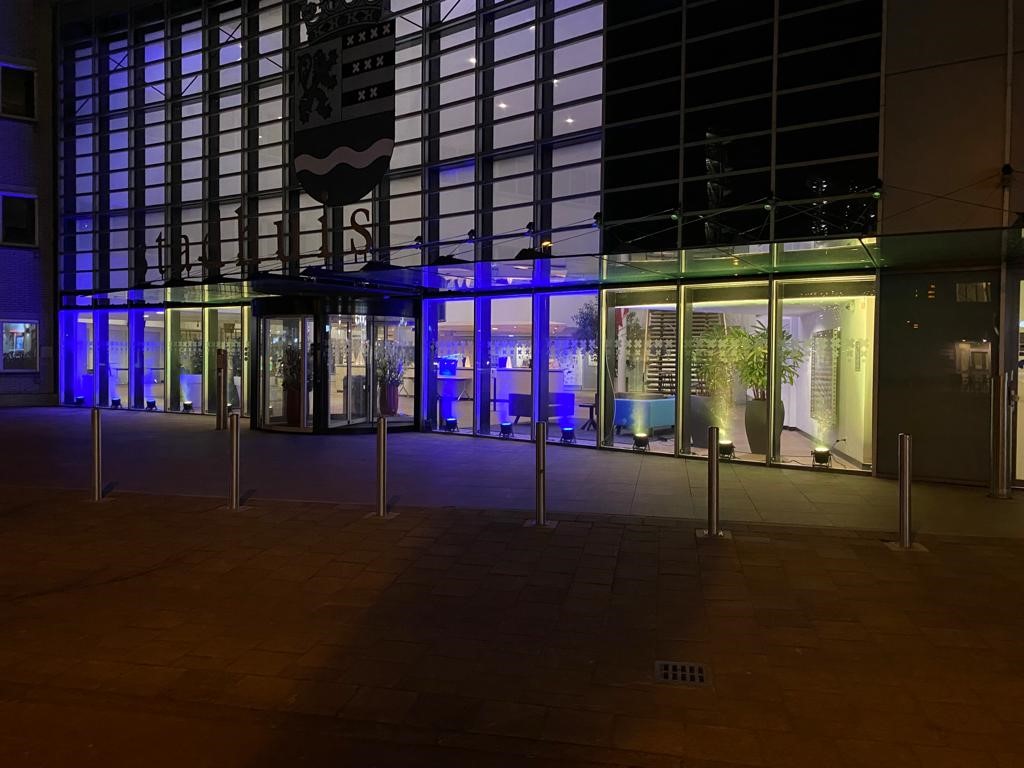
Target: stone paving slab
148, 630
162, 453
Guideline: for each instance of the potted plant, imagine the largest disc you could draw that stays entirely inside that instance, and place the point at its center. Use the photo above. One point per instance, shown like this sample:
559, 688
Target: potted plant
389, 366
588, 325
289, 369
753, 368
715, 356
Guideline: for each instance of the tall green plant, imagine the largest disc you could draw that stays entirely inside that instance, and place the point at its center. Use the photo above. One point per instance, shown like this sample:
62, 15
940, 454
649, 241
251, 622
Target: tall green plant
753, 366
588, 325
715, 356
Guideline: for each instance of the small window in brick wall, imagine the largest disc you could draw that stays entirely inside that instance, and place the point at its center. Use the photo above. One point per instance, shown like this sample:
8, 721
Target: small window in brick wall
17, 220
17, 92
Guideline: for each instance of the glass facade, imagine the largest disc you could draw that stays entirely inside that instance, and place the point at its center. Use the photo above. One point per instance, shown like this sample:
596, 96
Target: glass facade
175, 130
640, 369
152, 359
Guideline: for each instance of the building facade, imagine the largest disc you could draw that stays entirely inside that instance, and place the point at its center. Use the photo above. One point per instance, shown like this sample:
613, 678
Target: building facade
27, 256
632, 223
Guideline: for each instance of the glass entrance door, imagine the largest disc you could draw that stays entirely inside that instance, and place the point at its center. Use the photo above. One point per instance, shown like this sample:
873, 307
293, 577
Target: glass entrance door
287, 374
348, 396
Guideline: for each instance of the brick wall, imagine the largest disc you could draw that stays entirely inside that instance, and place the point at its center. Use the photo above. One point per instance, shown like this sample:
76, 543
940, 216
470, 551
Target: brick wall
26, 274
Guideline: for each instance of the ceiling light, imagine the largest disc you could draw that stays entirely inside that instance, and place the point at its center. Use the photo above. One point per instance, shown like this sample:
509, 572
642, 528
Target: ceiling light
502, 105
472, 60
569, 120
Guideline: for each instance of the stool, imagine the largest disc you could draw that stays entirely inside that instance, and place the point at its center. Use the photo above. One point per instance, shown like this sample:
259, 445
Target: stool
451, 424
506, 430
115, 403
568, 435
641, 442
186, 407
151, 405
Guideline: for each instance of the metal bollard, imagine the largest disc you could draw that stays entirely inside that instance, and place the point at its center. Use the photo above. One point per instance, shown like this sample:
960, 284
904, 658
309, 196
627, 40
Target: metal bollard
712, 481
382, 467
713, 531
905, 467
541, 467
97, 457
235, 499
222, 389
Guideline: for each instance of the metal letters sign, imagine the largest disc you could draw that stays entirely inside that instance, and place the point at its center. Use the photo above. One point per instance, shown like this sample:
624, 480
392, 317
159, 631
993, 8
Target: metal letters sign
345, 99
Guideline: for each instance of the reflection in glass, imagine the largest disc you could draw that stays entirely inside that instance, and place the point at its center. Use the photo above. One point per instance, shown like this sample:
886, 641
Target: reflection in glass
573, 330
640, 369
824, 369
449, 377
506, 337
111, 330
725, 369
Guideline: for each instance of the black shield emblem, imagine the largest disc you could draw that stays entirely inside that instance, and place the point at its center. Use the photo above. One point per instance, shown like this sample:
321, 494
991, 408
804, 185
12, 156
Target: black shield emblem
344, 100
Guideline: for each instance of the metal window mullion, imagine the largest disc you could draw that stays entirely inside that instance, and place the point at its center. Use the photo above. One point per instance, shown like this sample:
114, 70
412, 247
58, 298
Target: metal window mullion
172, 143
773, 159
211, 149
773, 454
137, 159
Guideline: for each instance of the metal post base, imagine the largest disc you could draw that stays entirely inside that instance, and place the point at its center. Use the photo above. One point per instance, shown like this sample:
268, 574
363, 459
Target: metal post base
547, 524
702, 533
896, 546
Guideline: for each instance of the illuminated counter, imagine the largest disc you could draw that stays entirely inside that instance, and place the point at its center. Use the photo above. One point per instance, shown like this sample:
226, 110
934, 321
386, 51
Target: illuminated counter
639, 412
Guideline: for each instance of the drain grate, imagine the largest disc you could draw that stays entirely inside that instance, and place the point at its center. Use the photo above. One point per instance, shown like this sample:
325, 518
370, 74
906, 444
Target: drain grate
682, 673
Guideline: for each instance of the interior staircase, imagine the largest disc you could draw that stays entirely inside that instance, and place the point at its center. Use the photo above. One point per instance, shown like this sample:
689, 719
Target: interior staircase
660, 360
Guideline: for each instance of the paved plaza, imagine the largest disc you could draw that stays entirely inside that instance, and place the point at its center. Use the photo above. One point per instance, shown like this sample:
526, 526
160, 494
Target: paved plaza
168, 631
183, 455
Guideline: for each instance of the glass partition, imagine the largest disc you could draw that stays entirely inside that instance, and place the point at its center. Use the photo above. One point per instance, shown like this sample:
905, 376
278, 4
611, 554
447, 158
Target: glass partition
640, 369
185, 360
225, 329
448, 380
573, 325
505, 336
725, 369
824, 364
78, 382
287, 373
394, 339
349, 388
149, 355
111, 357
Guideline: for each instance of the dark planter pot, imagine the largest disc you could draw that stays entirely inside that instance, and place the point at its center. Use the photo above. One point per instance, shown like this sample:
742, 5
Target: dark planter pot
698, 420
389, 400
755, 419
293, 407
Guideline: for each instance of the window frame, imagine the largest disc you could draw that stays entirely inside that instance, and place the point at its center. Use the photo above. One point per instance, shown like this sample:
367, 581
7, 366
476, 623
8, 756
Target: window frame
34, 117
35, 219
3, 323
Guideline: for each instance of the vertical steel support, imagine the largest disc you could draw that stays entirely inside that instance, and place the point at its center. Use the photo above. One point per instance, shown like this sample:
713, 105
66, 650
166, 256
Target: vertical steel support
97, 456
713, 482
382, 466
905, 468
541, 474
235, 499
1002, 424
222, 389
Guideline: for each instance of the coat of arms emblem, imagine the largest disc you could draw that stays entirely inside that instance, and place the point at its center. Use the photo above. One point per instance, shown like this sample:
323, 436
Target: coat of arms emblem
344, 106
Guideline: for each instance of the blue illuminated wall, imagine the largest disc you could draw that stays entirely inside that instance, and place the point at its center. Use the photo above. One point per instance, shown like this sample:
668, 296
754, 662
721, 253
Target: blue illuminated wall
26, 273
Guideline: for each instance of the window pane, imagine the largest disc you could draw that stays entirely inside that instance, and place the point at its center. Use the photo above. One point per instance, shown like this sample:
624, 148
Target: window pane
18, 217
17, 87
